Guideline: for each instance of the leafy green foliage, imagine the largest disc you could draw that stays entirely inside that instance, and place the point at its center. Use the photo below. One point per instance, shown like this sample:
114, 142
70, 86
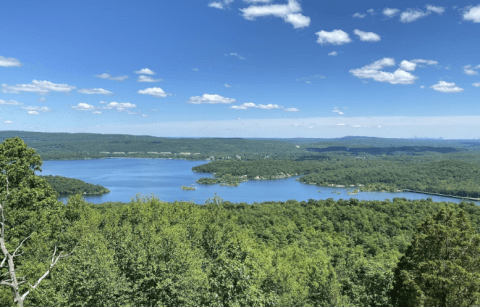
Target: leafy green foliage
69, 186
441, 267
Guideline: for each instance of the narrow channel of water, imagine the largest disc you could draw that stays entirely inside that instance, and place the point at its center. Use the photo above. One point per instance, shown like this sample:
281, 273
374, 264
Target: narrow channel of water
163, 178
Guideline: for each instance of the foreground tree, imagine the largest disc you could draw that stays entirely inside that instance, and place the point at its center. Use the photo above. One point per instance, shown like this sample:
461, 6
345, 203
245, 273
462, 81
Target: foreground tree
30, 222
441, 267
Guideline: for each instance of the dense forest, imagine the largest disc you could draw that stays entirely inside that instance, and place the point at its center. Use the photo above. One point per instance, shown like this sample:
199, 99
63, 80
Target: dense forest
309, 253
70, 186
447, 177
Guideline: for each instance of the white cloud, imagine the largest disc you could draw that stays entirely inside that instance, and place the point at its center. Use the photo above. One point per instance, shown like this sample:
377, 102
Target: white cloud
436, 9
421, 61
333, 53
227, 85
298, 20
153, 91
145, 71
8, 122
359, 15
109, 77
336, 37
237, 55
42, 99
10, 102
389, 12
469, 71
83, 107
373, 71
123, 106
94, 91
248, 105
476, 84
212, 99
9, 62
367, 36
356, 126
147, 79
423, 86
217, 5
36, 110
411, 15
406, 65
336, 110
291, 110
289, 12
473, 14
39, 87
257, 1
340, 124
97, 112
446, 87
371, 12
195, 69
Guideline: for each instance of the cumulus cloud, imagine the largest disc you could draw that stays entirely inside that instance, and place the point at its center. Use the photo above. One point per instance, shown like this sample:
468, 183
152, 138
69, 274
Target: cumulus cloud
406, 65
288, 12
153, 91
476, 84
340, 124
211, 99
10, 102
94, 91
373, 71
291, 110
446, 87
333, 53
109, 77
371, 12
36, 110
237, 55
359, 15
436, 9
83, 107
336, 37
249, 105
367, 36
220, 4
390, 12
39, 87
145, 71
147, 79
472, 14
257, 1
411, 15
9, 62
468, 70
120, 106
8, 122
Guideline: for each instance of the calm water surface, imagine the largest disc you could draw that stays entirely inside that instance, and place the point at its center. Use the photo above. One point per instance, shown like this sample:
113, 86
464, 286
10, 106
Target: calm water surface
163, 178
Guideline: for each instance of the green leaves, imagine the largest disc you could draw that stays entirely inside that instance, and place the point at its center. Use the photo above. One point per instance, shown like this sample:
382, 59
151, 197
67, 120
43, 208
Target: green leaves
441, 267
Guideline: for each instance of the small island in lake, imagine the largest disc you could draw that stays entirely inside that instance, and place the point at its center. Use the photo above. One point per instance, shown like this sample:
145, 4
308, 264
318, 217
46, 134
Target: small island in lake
185, 188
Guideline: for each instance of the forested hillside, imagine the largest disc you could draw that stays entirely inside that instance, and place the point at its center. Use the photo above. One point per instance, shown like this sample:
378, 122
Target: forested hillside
69, 186
448, 177
153, 253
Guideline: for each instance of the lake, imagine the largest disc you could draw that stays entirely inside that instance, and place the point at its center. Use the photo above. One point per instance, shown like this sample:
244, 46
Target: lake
163, 178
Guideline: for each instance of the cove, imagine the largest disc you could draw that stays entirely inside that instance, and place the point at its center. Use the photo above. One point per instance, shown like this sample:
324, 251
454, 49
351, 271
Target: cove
163, 178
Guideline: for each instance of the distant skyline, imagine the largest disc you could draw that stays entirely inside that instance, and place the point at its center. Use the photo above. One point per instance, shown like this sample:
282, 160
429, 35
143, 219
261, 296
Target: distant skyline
242, 68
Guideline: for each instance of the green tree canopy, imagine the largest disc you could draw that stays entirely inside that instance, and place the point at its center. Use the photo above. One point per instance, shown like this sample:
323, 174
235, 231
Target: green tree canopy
441, 267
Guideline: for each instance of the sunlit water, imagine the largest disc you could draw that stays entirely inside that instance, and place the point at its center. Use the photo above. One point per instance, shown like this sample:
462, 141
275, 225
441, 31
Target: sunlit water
163, 178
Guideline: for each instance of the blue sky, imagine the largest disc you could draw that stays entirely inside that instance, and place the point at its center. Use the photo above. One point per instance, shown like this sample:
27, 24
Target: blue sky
242, 68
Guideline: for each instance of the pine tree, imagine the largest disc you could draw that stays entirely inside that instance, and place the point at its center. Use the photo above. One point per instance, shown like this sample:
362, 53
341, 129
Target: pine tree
441, 267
